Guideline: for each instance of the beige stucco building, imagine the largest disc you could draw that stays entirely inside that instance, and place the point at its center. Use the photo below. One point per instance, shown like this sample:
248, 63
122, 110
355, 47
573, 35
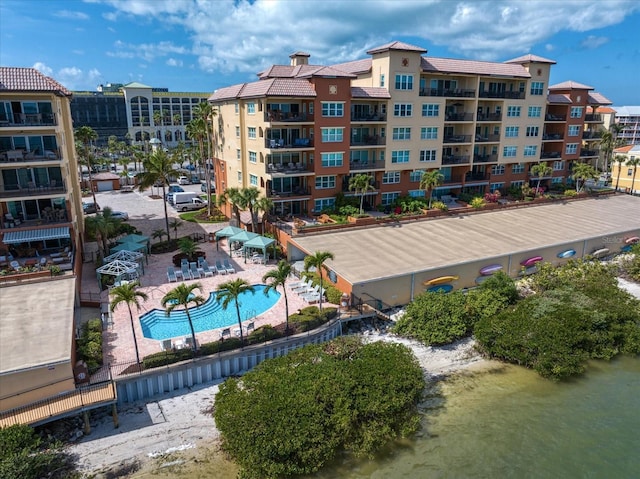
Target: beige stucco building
625, 169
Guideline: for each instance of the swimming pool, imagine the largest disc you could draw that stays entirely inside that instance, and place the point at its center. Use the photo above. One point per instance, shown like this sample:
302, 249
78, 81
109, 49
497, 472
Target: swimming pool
210, 315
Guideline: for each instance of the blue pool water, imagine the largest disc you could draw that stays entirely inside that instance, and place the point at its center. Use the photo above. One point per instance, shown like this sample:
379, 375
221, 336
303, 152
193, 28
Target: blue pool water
210, 315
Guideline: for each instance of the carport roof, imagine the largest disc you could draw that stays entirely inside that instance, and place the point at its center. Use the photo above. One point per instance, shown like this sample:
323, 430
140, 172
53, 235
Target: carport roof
375, 253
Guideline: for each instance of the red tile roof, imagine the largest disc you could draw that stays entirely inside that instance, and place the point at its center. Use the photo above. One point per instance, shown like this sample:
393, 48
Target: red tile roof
570, 85
624, 149
369, 92
355, 67
596, 98
531, 58
396, 46
29, 79
602, 109
474, 67
558, 98
264, 88
302, 71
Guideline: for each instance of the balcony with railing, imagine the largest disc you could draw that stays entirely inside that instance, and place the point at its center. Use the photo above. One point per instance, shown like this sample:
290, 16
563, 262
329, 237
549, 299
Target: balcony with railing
487, 138
457, 138
591, 135
291, 168
450, 117
455, 159
368, 140
555, 117
359, 115
510, 95
489, 116
593, 118
552, 137
476, 177
448, 92
28, 119
287, 117
32, 189
452, 180
293, 193
22, 156
485, 158
284, 143
584, 153
550, 154
366, 165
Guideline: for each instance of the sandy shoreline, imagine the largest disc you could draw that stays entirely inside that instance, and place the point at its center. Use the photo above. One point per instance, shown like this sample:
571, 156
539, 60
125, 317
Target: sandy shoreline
149, 432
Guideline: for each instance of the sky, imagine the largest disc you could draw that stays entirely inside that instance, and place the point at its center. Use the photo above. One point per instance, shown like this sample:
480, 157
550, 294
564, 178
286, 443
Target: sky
203, 45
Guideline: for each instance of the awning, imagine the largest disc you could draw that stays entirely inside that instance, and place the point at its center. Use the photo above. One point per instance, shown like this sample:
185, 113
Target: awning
13, 237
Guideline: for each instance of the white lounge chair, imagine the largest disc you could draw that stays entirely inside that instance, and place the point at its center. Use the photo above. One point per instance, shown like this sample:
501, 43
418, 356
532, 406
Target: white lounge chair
186, 274
225, 333
230, 269
219, 268
193, 267
305, 285
310, 292
171, 275
205, 268
188, 341
249, 328
166, 345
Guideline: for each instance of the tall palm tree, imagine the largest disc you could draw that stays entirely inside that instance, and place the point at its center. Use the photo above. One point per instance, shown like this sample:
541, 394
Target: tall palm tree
540, 170
205, 113
174, 225
279, 277
606, 147
230, 291
429, 180
158, 168
317, 260
86, 135
103, 226
620, 160
129, 295
633, 162
264, 205
234, 195
182, 295
249, 198
583, 172
361, 184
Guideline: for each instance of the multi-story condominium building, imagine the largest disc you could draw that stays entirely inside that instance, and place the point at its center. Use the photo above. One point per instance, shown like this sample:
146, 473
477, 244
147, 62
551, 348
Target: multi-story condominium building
135, 112
625, 169
628, 117
302, 131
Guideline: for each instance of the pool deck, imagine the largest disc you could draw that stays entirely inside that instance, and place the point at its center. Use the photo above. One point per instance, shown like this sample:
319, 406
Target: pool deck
118, 344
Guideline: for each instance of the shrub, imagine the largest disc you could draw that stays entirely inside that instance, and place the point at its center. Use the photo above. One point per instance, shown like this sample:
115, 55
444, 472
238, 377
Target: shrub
477, 203
333, 294
570, 193
163, 358
89, 345
492, 197
439, 205
263, 334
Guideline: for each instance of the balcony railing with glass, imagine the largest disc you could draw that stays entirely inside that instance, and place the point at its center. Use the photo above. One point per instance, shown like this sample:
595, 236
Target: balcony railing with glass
471, 177
372, 140
489, 116
452, 180
458, 117
282, 143
13, 156
487, 138
455, 159
485, 158
550, 154
511, 95
291, 168
32, 189
366, 165
456, 93
591, 135
298, 191
287, 117
359, 117
28, 119
457, 139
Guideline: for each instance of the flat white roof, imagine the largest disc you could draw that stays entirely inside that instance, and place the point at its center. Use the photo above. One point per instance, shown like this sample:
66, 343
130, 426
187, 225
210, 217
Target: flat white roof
36, 323
374, 253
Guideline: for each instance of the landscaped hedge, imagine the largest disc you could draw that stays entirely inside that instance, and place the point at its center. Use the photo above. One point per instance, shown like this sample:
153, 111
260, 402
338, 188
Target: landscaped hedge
89, 345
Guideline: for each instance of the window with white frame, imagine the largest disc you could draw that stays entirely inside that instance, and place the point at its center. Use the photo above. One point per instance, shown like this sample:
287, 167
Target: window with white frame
240, 177
402, 109
537, 88
237, 107
251, 108
237, 132
402, 133
332, 108
430, 109
251, 133
390, 177
517, 184
389, 198
416, 175
253, 180
557, 180
535, 111
322, 204
513, 111
574, 130
400, 156
253, 157
517, 168
576, 112
511, 131
496, 186
509, 151
324, 182
428, 155
404, 82
530, 150
497, 170
417, 193
332, 135
429, 133
558, 165
571, 149
331, 159
533, 131
382, 80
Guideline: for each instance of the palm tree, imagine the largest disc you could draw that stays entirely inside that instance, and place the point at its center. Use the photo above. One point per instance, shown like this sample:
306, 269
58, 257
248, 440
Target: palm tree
429, 180
249, 198
234, 195
175, 224
279, 277
203, 129
129, 295
361, 184
317, 260
182, 295
540, 170
633, 162
230, 291
158, 169
85, 135
583, 172
189, 248
620, 160
606, 147
159, 233
263, 205
103, 226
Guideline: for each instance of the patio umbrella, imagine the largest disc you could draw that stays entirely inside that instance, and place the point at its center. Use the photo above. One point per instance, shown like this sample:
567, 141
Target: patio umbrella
226, 232
135, 238
259, 242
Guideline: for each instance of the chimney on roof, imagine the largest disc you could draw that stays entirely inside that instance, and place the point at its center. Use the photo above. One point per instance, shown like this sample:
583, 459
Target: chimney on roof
299, 58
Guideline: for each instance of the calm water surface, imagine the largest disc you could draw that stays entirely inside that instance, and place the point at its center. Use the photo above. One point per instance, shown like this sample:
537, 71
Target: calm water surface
509, 423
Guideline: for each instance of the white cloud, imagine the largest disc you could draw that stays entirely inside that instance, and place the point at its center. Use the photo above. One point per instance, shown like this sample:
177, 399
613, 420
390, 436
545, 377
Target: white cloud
172, 62
147, 51
549, 47
71, 15
592, 42
42, 68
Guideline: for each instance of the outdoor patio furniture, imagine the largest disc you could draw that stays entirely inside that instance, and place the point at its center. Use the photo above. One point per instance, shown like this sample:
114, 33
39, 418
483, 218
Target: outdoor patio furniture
166, 345
219, 268
225, 333
205, 269
171, 275
250, 327
230, 269
185, 271
193, 267
309, 291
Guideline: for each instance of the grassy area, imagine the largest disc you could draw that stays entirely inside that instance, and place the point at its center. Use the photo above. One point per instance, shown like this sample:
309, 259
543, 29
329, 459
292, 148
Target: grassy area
200, 216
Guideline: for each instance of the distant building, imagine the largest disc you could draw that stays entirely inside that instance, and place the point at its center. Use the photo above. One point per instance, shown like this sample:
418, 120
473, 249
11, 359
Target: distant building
625, 175
135, 112
628, 117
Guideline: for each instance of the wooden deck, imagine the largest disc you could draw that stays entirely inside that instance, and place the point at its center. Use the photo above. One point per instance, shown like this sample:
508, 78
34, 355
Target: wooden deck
56, 407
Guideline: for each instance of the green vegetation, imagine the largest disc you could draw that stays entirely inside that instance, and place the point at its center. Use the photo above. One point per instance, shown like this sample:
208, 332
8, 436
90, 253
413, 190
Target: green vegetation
89, 345
577, 313
632, 267
294, 414
26, 456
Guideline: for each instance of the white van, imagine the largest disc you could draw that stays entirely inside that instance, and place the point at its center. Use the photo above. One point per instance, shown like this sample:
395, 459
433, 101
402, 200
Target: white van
187, 200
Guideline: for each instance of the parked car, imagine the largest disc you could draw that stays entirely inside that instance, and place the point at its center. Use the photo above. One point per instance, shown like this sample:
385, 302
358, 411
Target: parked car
123, 215
184, 180
90, 208
203, 187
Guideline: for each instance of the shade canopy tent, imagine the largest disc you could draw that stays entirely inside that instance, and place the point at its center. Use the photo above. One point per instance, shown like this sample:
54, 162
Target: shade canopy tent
43, 234
241, 237
259, 242
135, 238
124, 255
227, 232
120, 269
131, 247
